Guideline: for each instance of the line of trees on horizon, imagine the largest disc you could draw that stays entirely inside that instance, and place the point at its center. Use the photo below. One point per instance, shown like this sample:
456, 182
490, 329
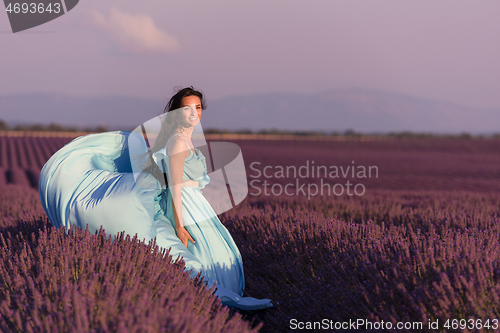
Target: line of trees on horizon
352, 133
53, 127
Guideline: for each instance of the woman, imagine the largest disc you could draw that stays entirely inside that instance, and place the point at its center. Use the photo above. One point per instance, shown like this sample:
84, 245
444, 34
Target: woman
171, 150
89, 182
196, 224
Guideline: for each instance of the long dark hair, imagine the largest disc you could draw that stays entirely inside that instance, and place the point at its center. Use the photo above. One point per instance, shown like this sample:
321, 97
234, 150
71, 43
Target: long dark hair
167, 129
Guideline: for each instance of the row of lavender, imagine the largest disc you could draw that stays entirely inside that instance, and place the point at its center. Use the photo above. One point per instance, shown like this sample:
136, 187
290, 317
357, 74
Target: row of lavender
387, 255
51, 281
22, 158
128, 287
423, 164
408, 257
398, 257
413, 164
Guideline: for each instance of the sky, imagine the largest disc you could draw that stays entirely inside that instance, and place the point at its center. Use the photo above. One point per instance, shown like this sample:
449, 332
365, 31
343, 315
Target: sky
446, 50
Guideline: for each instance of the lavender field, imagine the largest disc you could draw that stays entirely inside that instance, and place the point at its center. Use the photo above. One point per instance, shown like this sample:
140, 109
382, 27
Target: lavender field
421, 245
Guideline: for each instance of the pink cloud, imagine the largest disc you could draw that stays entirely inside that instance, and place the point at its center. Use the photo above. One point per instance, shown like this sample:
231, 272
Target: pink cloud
136, 32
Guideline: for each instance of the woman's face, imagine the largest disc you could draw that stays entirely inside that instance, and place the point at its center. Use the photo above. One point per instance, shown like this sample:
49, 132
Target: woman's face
191, 110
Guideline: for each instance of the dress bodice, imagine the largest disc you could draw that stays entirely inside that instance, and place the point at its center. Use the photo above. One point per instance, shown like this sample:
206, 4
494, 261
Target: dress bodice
195, 165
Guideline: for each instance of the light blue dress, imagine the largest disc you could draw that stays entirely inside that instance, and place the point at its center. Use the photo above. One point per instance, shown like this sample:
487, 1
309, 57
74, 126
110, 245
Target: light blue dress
90, 182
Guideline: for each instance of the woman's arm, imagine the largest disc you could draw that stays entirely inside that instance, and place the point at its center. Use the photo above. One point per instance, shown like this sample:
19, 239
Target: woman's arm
178, 152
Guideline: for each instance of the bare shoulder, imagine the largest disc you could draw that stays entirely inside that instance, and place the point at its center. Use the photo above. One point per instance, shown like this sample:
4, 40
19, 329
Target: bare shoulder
177, 146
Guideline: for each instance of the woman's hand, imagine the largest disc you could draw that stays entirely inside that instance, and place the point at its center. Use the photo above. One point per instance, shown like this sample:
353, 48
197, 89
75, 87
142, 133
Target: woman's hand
184, 236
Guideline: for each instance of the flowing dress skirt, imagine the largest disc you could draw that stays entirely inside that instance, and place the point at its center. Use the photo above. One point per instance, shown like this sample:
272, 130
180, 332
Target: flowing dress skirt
90, 182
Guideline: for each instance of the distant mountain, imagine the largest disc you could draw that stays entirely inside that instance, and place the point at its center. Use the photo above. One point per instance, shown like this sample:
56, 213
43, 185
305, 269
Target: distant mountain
114, 112
361, 110
357, 109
